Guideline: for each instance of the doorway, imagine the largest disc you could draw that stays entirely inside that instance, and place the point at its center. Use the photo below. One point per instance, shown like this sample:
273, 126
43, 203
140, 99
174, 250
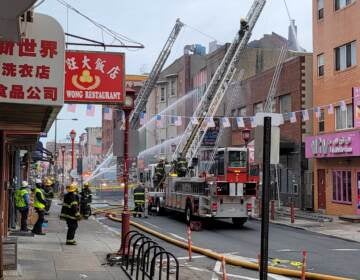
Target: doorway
358, 192
321, 189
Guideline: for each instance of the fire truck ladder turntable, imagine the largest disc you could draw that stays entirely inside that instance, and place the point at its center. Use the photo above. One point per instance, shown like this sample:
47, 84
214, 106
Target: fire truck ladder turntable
209, 103
145, 91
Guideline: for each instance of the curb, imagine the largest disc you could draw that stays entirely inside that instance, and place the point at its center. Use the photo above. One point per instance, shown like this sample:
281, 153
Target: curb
236, 262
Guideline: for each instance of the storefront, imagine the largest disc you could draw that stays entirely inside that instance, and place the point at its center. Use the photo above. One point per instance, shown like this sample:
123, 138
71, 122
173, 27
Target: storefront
336, 171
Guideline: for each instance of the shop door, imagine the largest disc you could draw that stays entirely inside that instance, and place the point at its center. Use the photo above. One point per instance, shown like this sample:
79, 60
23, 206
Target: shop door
358, 192
321, 189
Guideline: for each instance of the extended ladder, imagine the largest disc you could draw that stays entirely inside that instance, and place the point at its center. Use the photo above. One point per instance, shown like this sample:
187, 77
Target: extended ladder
209, 103
145, 91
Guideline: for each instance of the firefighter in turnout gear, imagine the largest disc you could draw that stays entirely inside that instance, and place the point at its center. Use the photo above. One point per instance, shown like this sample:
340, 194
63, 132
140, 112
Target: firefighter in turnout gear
85, 200
139, 200
70, 212
159, 174
39, 205
22, 202
49, 194
181, 166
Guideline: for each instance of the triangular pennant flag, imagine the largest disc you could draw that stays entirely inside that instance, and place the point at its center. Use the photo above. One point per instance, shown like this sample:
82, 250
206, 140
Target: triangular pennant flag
210, 122
342, 105
252, 122
178, 121
142, 118
90, 110
225, 122
159, 122
317, 112
292, 117
240, 122
71, 108
331, 109
194, 121
305, 115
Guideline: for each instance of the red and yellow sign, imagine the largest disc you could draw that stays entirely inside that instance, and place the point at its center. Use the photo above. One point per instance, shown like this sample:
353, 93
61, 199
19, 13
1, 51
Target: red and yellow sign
94, 77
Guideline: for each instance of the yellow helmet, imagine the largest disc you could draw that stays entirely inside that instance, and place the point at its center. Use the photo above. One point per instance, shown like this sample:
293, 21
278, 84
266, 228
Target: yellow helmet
71, 188
87, 185
48, 182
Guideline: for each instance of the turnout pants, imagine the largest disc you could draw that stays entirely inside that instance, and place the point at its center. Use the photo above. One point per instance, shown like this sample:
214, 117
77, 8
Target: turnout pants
24, 216
38, 225
72, 226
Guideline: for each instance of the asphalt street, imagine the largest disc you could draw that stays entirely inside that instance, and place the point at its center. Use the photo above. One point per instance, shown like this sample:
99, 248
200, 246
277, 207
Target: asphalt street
325, 254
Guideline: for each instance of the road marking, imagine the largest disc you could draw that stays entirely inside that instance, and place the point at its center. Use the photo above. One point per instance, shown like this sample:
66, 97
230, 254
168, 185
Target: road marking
177, 236
198, 269
278, 277
155, 226
193, 257
216, 271
287, 250
350, 250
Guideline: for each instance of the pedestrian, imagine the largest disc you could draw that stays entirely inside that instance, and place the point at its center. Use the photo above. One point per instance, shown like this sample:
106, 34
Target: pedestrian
39, 205
70, 213
22, 202
85, 200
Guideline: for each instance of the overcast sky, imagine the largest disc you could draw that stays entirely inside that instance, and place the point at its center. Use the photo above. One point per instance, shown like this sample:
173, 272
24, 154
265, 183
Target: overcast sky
150, 22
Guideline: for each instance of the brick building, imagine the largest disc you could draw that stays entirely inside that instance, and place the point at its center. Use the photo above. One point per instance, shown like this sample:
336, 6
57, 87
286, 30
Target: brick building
294, 93
336, 75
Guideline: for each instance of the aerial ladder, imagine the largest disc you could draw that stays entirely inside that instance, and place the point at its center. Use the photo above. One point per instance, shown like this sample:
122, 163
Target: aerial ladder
145, 91
195, 131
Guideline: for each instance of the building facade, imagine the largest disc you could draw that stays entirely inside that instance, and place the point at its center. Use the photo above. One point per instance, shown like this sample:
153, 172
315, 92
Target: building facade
336, 79
92, 153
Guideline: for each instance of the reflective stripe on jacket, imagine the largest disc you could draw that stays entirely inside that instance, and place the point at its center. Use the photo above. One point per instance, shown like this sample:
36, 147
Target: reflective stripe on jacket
37, 203
20, 201
70, 207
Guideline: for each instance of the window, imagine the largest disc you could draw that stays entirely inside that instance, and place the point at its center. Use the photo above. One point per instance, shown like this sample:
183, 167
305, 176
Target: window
285, 103
242, 112
322, 121
342, 186
173, 116
345, 56
344, 119
162, 94
339, 4
258, 107
237, 159
273, 105
172, 88
320, 7
320, 64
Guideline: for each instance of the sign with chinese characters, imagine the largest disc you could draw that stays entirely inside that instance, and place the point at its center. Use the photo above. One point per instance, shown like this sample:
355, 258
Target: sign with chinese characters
94, 77
32, 71
343, 144
356, 102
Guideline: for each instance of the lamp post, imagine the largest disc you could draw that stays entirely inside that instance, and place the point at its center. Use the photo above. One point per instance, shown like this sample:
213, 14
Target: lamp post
246, 137
72, 137
127, 108
63, 167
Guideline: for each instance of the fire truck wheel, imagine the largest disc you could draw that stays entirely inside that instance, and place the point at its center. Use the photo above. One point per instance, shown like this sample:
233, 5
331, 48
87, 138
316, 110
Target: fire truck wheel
188, 214
239, 222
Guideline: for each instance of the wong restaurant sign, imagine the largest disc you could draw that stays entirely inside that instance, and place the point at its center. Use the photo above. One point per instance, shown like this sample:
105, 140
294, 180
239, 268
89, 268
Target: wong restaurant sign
342, 144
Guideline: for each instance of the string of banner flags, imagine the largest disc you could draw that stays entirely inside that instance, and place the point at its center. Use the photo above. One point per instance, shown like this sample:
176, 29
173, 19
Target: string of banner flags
225, 121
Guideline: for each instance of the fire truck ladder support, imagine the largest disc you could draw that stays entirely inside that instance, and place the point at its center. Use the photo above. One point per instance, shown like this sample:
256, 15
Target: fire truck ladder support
143, 96
209, 103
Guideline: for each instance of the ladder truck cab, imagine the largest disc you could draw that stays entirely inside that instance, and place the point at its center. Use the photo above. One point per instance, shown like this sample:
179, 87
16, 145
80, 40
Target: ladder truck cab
228, 193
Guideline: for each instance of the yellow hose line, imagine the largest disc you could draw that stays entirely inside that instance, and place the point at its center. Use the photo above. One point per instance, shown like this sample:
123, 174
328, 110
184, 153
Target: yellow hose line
229, 260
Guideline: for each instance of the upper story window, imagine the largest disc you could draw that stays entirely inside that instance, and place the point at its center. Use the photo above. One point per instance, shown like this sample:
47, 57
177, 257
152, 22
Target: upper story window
339, 4
285, 103
321, 64
344, 119
322, 121
258, 107
162, 93
320, 9
242, 112
345, 56
172, 88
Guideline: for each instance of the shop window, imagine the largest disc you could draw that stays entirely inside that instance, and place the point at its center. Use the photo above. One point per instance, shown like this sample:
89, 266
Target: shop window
321, 64
339, 4
345, 56
320, 7
342, 186
344, 119
322, 121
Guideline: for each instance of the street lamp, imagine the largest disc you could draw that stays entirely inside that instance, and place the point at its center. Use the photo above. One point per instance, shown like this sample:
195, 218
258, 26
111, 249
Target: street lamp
63, 167
72, 137
125, 225
246, 133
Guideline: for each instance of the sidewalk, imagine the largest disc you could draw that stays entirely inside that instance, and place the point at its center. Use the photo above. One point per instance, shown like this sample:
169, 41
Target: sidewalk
337, 228
48, 258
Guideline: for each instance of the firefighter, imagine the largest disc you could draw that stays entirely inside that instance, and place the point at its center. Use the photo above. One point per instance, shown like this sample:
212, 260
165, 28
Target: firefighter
22, 202
49, 194
139, 200
70, 212
159, 174
85, 200
39, 205
244, 26
181, 166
